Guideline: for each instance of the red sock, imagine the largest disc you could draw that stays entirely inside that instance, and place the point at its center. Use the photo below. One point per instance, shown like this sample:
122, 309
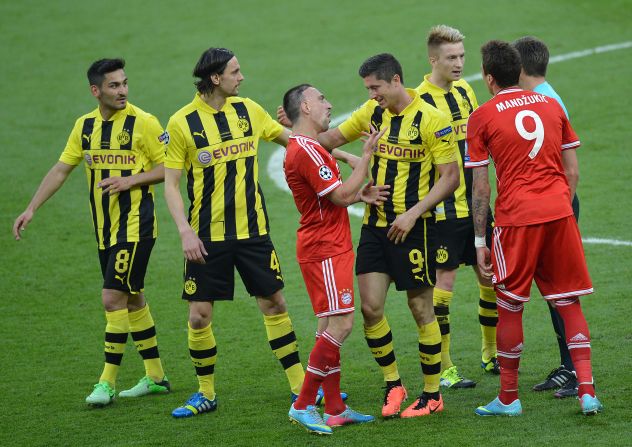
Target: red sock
578, 341
334, 404
321, 360
509, 339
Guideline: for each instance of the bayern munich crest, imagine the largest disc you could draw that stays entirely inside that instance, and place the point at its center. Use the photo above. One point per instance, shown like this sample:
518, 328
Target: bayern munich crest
325, 173
345, 296
204, 157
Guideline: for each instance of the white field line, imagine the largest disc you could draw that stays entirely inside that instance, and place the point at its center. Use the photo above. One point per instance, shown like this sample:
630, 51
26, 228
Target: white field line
275, 163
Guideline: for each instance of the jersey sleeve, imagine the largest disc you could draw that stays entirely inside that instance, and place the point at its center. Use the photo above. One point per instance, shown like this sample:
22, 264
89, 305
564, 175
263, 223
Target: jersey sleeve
176, 151
154, 140
320, 174
72, 153
270, 129
476, 148
440, 139
570, 140
358, 122
472, 96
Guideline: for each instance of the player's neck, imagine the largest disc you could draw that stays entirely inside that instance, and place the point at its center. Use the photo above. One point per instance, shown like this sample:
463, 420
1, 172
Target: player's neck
440, 81
402, 101
106, 112
305, 129
214, 99
531, 82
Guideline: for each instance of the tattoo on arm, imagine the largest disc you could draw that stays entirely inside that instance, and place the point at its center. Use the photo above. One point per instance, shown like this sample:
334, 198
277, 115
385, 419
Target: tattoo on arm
480, 199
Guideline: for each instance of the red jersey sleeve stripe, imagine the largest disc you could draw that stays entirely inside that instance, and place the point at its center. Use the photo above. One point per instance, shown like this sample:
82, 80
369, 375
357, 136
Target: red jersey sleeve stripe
571, 145
474, 164
311, 151
329, 188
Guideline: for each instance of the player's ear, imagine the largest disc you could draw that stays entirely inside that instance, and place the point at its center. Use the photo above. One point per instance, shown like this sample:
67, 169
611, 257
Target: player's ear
95, 90
215, 79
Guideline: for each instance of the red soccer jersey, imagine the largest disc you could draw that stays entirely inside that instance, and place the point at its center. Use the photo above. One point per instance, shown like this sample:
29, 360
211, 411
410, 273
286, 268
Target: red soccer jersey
312, 173
524, 133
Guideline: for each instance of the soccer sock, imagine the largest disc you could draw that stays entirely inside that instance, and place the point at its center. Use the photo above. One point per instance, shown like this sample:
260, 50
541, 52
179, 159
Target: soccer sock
430, 355
510, 339
282, 340
558, 327
141, 325
380, 341
578, 340
116, 330
334, 404
441, 300
488, 319
203, 352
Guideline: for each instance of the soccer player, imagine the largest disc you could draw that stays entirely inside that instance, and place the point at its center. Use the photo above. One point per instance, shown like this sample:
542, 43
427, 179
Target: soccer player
324, 249
536, 237
534, 58
123, 150
397, 241
215, 139
444, 89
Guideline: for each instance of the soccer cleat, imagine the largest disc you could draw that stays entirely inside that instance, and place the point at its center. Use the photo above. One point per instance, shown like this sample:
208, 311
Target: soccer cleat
590, 405
451, 378
320, 397
497, 408
102, 394
556, 379
393, 398
347, 417
147, 386
423, 406
310, 419
197, 403
491, 366
568, 390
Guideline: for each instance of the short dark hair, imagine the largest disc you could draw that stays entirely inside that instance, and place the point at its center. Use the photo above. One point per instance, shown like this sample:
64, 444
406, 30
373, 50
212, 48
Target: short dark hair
212, 61
383, 66
502, 61
534, 55
292, 101
98, 69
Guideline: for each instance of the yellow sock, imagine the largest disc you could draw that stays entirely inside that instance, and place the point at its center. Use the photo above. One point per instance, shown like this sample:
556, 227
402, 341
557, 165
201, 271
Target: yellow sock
282, 340
430, 355
441, 299
488, 318
203, 353
116, 330
141, 325
380, 341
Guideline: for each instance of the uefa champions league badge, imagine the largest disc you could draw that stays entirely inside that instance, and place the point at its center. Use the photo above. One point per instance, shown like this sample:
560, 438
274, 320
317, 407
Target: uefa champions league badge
325, 173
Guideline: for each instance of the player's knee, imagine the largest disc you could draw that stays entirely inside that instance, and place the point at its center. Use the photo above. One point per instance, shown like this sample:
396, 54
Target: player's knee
272, 305
113, 300
372, 313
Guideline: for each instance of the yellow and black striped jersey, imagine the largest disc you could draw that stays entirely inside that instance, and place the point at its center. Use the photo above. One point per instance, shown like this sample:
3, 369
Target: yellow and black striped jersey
218, 149
417, 139
130, 142
458, 103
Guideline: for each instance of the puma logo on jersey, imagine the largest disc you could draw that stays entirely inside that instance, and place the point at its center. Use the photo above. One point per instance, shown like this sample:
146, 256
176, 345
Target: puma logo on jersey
86, 137
200, 134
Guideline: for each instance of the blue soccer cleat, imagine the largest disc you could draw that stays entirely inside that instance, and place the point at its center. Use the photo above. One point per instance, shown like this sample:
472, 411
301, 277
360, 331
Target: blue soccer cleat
497, 408
198, 403
590, 405
347, 417
310, 419
320, 397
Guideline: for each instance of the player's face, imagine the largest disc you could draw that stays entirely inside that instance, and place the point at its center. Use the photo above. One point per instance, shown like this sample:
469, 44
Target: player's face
448, 60
112, 93
380, 90
319, 108
231, 78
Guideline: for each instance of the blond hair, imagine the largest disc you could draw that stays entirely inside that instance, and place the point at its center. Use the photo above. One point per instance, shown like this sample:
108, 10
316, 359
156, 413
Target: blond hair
441, 34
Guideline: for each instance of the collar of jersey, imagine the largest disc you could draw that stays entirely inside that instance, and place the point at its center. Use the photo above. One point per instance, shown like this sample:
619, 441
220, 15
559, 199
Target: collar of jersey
509, 90
199, 103
118, 114
303, 137
416, 98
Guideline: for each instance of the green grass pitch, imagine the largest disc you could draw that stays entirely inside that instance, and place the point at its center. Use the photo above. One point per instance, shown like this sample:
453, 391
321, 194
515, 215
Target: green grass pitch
51, 318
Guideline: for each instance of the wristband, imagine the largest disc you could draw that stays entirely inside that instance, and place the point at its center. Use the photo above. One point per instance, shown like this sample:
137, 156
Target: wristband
479, 242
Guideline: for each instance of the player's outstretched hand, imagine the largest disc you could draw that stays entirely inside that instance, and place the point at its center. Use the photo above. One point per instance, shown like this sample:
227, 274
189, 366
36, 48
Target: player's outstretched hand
113, 185
282, 117
374, 195
193, 247
401, 226
20, 224
370, 142
483, 258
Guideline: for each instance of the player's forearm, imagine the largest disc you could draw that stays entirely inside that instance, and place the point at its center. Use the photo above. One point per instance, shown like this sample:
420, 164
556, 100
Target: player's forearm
571, 169
175, 203
448, 182
156, 175
50, 184
331, 139
350, 189
481, 193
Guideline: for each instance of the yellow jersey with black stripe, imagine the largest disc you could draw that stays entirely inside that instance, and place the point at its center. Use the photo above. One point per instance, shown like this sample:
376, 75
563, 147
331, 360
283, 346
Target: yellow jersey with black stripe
458, 103
130, 142
417, 139
218, 149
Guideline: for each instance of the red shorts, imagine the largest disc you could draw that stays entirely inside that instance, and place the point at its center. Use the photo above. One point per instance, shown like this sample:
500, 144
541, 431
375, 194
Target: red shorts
551, 253
330, 284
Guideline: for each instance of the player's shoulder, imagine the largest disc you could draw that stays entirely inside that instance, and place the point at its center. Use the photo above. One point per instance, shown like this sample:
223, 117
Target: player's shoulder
93, 114
303, 147
462, 83
139, 113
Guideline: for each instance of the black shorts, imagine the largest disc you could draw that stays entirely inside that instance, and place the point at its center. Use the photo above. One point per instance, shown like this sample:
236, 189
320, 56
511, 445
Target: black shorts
255, 260
411, 264
124, 265
455, 242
